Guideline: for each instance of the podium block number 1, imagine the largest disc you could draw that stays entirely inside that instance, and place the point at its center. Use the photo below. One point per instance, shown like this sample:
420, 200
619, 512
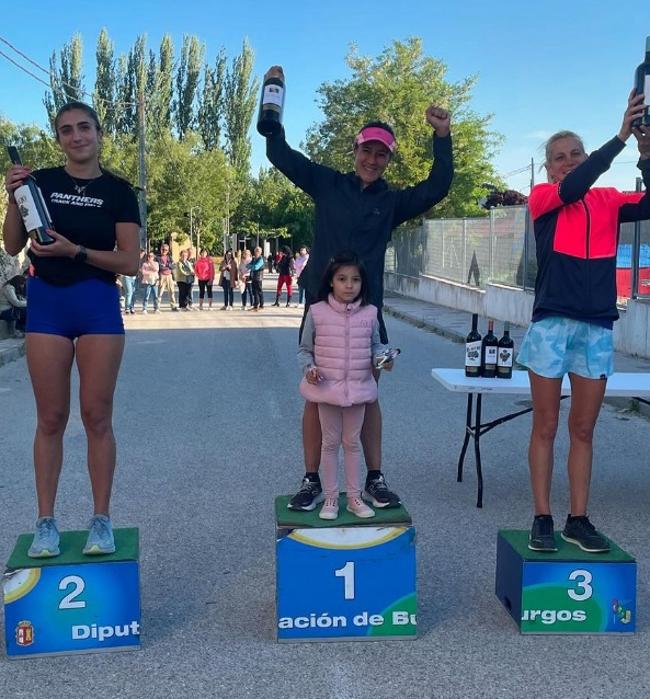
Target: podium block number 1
347, 573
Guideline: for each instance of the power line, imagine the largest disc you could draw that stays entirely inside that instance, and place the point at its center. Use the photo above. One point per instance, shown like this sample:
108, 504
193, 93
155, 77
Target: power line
55, 77
29, 72
25, 56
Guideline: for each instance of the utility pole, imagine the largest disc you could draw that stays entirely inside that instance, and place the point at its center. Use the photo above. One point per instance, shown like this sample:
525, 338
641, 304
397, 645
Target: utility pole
226, 231
532, 174
636, 248
198, 208
142, 189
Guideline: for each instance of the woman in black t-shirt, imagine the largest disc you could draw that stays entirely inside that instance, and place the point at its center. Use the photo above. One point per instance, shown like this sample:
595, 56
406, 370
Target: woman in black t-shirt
73, 309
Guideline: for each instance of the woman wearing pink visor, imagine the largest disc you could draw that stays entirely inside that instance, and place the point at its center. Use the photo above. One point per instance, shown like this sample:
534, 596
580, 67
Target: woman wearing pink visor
357, 212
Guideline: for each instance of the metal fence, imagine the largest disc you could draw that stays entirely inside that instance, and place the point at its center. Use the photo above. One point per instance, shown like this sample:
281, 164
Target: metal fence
500, 248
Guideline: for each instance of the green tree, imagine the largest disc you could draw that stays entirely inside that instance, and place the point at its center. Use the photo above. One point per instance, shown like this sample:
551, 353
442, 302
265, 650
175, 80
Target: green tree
187, 83
396, 87
182, 176
211, 106
165, 87
160, 86
126, 96
271, 207
240, 100
104, 93
66, 82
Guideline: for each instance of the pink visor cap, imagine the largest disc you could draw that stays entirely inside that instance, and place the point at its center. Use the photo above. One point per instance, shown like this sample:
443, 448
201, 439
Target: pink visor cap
376, 133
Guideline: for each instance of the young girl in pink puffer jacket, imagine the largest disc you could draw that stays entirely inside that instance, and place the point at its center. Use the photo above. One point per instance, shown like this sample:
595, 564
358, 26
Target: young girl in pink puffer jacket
339, 339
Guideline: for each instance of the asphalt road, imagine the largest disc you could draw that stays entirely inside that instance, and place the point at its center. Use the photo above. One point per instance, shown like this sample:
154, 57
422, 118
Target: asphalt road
208, 425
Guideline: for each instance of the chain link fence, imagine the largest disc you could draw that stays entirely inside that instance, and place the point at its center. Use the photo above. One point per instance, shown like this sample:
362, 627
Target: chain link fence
500, 248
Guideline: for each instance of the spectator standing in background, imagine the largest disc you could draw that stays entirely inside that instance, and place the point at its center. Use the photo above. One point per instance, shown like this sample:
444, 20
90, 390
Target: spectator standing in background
149, 277
204, 269
167, 266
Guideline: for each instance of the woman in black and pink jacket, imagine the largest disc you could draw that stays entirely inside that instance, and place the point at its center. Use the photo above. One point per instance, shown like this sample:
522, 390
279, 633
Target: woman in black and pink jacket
576, 235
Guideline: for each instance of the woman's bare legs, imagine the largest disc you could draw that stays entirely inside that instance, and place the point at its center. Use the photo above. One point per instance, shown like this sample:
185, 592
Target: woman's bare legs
98, 360
49, 360
546, 409
586, 399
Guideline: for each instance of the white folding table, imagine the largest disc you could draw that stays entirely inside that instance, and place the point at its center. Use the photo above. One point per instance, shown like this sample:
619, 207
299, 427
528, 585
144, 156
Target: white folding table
619, 384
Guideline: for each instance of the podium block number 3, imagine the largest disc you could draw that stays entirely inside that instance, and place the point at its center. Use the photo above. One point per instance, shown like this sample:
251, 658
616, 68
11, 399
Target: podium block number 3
78, 585
582, 580
347, 573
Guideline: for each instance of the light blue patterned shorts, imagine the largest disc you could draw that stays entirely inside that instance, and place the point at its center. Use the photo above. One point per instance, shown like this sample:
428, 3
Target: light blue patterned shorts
556, 345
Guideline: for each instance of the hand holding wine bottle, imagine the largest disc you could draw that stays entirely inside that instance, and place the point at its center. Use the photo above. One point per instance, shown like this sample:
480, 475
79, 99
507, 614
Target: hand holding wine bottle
60, 247
642, 136
14, 178
25, 193
635, 110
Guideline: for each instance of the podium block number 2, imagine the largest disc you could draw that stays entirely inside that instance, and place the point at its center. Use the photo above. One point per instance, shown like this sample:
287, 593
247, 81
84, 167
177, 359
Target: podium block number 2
347, 573
78, 585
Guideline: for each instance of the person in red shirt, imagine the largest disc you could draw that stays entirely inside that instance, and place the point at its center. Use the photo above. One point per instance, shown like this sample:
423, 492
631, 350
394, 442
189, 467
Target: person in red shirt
204, 269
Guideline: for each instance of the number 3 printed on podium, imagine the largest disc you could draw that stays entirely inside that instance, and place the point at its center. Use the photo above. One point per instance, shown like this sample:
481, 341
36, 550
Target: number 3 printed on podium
78, 587
347, 573
583, 584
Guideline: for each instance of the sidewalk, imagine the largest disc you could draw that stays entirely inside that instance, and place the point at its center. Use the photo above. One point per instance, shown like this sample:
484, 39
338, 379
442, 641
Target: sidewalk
11, 349
455, 325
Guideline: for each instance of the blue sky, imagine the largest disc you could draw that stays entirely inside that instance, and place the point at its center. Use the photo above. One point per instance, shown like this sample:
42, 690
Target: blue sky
541, 66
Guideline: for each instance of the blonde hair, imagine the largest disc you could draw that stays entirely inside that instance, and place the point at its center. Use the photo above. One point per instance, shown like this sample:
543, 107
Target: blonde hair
556, 137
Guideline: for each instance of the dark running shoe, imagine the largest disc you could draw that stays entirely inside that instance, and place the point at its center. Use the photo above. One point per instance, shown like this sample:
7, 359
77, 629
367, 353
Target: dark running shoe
581, 532
309, 495
376, 492
541, 536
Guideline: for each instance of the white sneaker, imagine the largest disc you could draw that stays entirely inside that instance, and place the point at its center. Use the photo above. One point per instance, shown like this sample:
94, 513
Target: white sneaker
359, 508
330, 509
145, 311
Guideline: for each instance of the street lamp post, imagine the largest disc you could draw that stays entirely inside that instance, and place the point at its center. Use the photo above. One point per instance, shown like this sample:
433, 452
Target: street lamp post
198, 208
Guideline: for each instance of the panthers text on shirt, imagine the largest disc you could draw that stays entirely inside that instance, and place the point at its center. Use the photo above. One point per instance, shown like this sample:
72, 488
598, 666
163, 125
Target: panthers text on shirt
76, 200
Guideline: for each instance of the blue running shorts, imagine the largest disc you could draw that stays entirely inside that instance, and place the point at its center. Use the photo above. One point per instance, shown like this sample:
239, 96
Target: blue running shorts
89, 307
557, 345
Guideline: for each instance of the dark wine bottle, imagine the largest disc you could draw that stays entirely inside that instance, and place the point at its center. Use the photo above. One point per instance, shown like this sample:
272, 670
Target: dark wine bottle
505, 353
31, 205
489, 353
269, 120
642, 85
473, 350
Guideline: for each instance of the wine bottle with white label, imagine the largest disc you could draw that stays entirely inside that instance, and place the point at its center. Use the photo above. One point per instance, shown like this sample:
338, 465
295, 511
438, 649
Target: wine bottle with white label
31, 205
505, 352
489, 354
473, 349
269, 120
642, 85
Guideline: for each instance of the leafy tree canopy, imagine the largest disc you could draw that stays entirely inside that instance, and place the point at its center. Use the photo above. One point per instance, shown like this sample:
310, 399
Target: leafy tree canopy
396, 87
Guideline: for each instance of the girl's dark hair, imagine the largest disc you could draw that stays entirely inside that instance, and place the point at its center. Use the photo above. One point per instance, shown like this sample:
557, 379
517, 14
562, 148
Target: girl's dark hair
380, 125
68, 107
343, 259
286, 250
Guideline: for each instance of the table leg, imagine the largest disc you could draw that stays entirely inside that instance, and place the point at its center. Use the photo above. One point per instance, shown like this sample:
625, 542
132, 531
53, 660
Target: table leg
477, 451
468, 432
